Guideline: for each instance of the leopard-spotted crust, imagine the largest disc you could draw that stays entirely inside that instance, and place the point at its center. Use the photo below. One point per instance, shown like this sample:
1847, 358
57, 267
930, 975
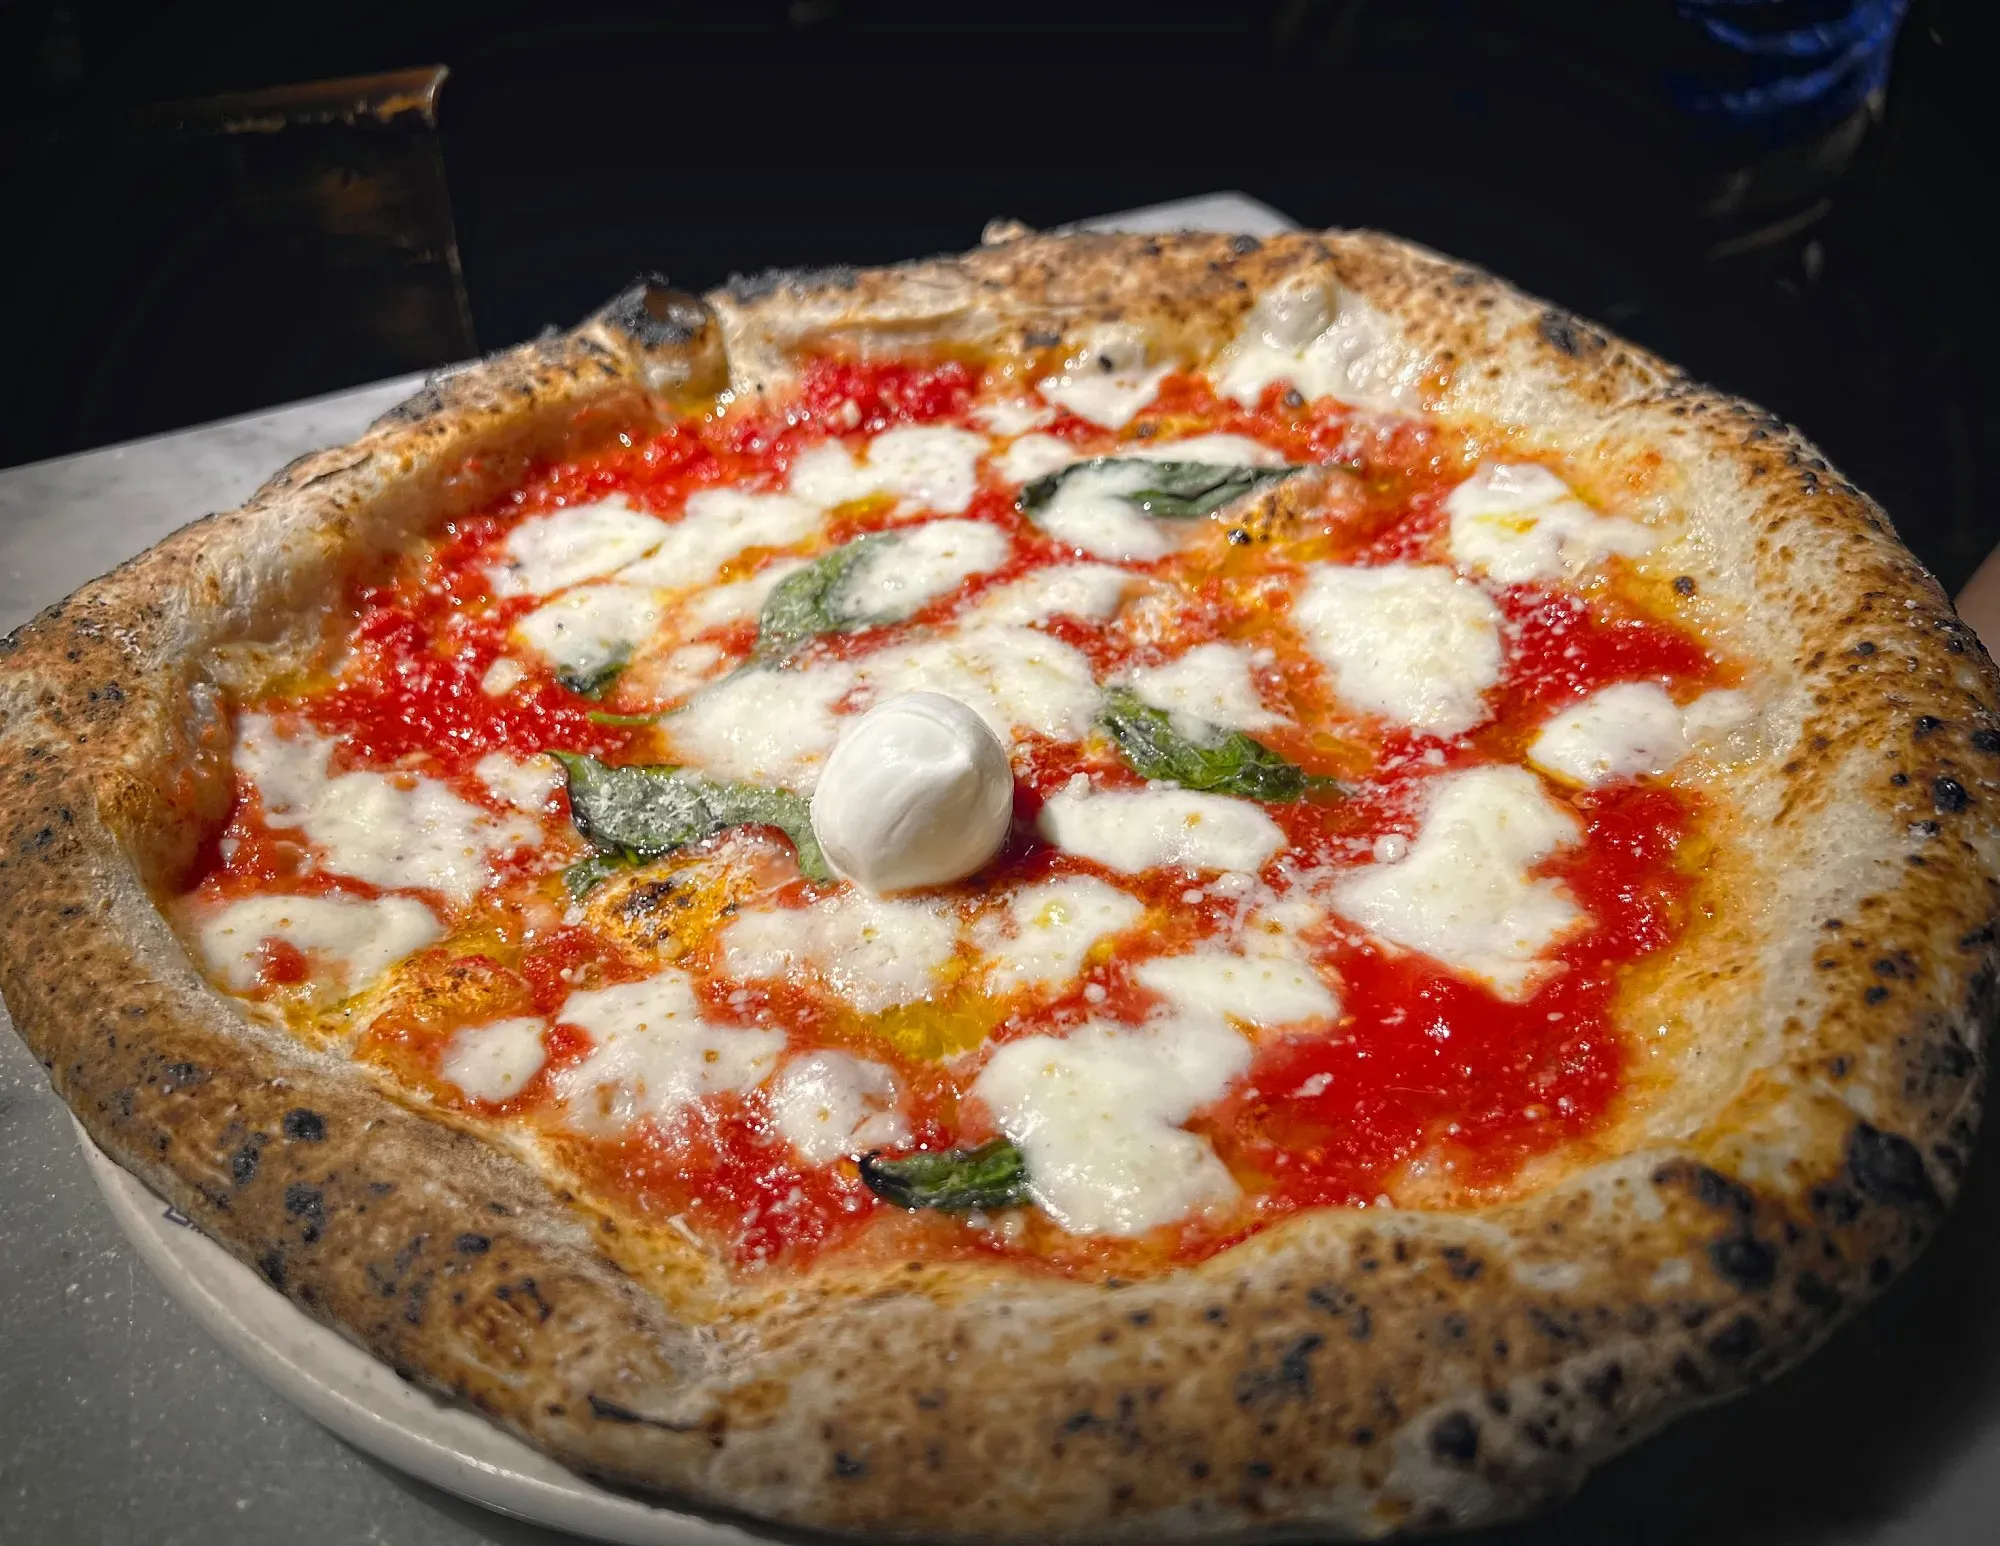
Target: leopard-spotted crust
1798, 1129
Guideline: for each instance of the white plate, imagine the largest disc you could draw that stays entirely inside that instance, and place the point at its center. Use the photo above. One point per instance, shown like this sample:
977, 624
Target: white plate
364, 1402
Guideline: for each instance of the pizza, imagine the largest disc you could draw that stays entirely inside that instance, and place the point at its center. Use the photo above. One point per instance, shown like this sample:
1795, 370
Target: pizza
1114, 887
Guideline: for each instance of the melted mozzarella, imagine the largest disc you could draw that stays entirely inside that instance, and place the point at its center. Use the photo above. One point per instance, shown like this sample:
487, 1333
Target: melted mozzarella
1212, 450
1013, 678
582, 542
594, 626
1144, 829
1012, 416
1462, 893
493, 1062
1097, 1117
740, 600
917, 565
653, 1055
871, 952
1722, 724
716, 527
349, 937
935, 466
1034, 456
1632, 728
1089, 512
1617, 732
664, 679
528, 785
1413, 643
1040, 937
763, 727
400, 831
828, 1105
1260, 990
1209, 685
1327, 342
1107, 380
1089, 591
1520, 522
502, 677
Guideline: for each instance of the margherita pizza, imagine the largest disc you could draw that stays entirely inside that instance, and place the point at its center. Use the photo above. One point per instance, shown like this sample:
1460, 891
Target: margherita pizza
1115, 887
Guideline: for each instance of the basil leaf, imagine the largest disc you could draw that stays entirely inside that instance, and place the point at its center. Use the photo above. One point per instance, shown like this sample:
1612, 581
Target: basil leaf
644, 812
592, 683
1232, 764
992, 1176
586, 875
806, 604
1176, 490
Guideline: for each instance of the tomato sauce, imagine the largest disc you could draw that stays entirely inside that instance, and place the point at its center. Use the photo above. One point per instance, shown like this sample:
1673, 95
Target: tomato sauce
1425, 1074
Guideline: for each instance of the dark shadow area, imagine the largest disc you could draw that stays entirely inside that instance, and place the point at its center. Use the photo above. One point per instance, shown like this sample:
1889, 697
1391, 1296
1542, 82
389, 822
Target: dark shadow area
585, 143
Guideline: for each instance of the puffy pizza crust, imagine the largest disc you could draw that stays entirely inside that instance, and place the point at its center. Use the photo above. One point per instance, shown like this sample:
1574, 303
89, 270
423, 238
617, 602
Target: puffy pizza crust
1803, 1102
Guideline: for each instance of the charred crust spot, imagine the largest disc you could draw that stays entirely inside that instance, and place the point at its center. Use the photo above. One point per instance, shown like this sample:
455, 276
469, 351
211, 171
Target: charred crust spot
1899, 779
748, 288
272, 1265
1987, 741
1744, 1261
1455, 1439
1736, 1341
1709, 1187
243, 1164
1926, 725
469, 1244
303, 1126
186, 1075
1887, 1168
1258, 1470
612, 1412
1875, 995
1290, 1378
1141, 1317
1948, 796
307, 1204
655, 315
1689, 1373
1460, 1263
847, 1466
1566, 335
1864, 649
1684, 584
1835, 1204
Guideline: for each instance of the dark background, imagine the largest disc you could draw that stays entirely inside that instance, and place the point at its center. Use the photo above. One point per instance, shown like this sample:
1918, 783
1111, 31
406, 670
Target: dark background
156, 282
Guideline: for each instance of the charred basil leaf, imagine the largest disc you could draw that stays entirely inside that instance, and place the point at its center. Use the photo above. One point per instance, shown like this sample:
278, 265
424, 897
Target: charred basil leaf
990, 1177
592, 683
806, 604
1233, 763
643, 812
1177, 490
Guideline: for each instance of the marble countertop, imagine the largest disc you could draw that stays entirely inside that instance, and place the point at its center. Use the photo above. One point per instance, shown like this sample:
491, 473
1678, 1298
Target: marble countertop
122, 1422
